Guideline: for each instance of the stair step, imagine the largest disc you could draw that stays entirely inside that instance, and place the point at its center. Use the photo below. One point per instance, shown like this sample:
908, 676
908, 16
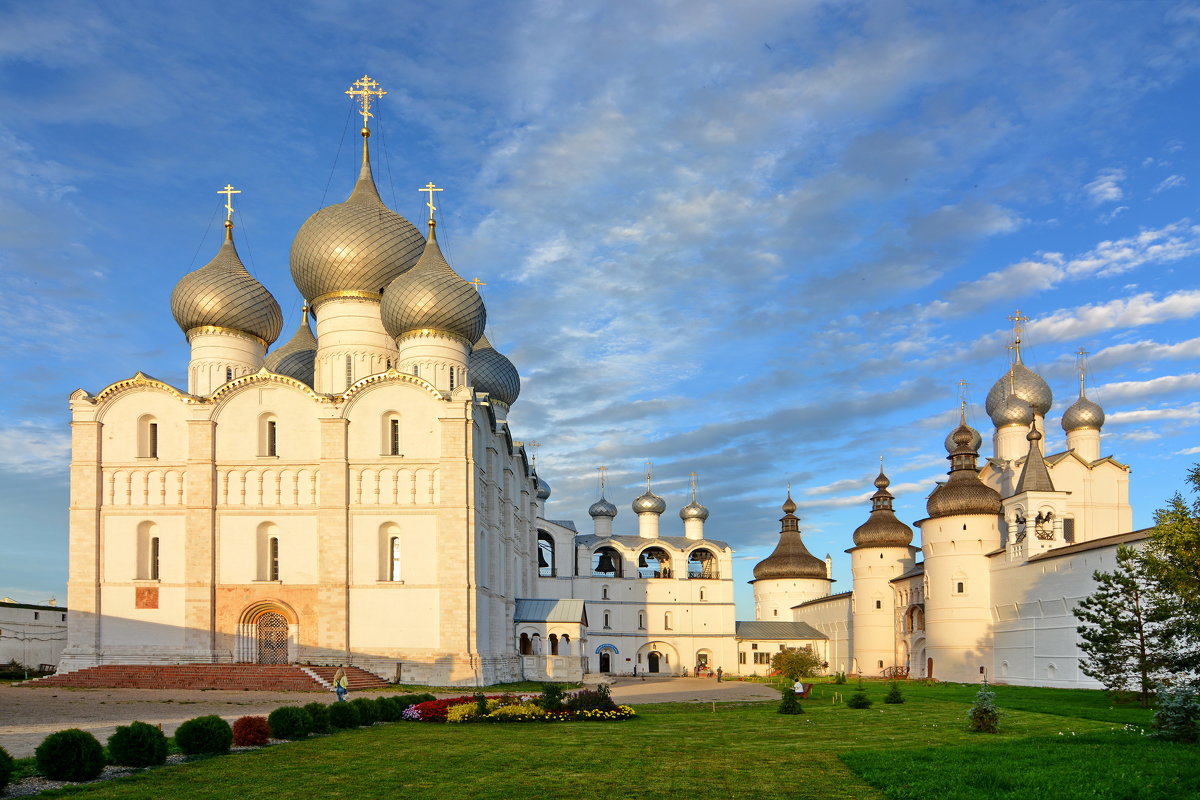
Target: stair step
207, 676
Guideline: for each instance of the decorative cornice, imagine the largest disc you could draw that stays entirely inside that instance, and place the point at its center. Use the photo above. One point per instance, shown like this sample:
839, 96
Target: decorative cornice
345, 294
390, 376
264, 375
422, 333
217, 330
141, 380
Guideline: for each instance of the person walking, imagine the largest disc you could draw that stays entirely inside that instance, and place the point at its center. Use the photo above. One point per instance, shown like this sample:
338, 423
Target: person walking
341, 684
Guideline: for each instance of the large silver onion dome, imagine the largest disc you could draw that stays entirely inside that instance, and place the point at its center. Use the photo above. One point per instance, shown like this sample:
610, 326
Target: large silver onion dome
1083, 413
602, 508
883, 529
1012, 411
693, 510
491, 372
223, 294
297, 357
649, 503
1025, 384
360, 245
790, 558
432, 296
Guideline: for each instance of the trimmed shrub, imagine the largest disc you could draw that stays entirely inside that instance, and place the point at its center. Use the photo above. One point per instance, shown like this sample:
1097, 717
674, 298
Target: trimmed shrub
597, 699
6, 769
387, 710
138, 745
893, 697
1177, 717
790, 704
859, 699
70, 755
552, 697
368, 713
984, 716
290, 722
839, 678
251, 731
204, 735
344, 715
319, 714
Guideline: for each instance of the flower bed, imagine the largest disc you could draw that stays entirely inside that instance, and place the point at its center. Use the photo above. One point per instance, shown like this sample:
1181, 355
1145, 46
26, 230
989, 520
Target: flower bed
585, 706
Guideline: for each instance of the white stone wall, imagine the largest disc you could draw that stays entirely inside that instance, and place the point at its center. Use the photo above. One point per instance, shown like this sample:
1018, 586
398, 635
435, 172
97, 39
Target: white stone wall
32, 635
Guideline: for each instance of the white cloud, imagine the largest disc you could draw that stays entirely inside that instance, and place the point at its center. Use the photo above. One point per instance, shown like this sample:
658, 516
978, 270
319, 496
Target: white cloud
1128, 312
1144, 351
1170, 182
1106, 188
1188, 413
1131, 390
35, 447
1190, 451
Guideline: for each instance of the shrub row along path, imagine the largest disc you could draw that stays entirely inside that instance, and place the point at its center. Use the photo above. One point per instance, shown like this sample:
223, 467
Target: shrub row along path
27, 715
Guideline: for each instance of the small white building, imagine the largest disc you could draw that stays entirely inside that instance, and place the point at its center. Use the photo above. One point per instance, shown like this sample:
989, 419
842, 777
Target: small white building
32, 635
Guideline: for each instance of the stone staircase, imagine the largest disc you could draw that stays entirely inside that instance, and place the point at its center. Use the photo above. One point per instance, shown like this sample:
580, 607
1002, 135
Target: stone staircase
235, 677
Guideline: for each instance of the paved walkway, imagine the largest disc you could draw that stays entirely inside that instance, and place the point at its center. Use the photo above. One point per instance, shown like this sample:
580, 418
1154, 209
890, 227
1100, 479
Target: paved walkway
28, 715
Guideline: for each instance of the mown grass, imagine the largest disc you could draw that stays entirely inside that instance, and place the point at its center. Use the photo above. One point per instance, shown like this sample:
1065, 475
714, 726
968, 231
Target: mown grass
742, 750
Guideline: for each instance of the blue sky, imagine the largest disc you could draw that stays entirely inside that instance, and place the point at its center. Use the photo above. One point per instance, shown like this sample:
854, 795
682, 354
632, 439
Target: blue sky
758, 241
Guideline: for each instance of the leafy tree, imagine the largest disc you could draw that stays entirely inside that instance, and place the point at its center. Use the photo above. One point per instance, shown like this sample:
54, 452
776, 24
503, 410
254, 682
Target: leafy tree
1122, 628
796, 664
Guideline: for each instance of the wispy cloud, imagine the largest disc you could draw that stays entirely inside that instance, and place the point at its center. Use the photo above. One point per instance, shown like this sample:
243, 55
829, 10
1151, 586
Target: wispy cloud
1170, 182
1106, 187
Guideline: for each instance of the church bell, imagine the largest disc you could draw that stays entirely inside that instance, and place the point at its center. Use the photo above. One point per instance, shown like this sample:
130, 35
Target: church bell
542, 563
605, 564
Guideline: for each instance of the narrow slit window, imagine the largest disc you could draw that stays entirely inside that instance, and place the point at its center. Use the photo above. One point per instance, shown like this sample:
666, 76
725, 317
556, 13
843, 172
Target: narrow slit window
154, 550
273, 558
152, 443
228, 374
394, 551
452, 379
393, 437
272, 440
349, 371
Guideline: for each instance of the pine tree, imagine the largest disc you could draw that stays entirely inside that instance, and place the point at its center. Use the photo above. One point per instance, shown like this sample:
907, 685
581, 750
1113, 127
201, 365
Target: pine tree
1172, 560
1123, 627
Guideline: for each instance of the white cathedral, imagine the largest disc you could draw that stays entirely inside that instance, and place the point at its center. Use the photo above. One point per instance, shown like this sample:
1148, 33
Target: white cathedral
357, 496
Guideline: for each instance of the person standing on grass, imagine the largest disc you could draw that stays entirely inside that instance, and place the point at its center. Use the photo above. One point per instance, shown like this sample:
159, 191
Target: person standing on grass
341, 684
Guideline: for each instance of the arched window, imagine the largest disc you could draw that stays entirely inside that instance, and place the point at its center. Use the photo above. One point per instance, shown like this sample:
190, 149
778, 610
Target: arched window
268, 552
702, 563
389, 434
545, 555
394, 558
654, 562
273, 555
701, 592
606, 562
641, 621
526, 646
553, 644
147, 437
389, 552
564, 645
604, 592
148, 551
349, 370
607, 621
536, 643
268, 436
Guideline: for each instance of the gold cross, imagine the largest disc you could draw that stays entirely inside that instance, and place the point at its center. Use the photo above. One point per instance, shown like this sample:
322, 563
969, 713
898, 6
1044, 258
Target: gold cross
477, 283
535, 446
430, 189
693, 487
364, 89
603, 470
1016, 320
229, 192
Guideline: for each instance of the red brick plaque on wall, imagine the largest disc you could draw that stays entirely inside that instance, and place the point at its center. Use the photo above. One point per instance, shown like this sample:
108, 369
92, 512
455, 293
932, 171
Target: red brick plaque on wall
147, 597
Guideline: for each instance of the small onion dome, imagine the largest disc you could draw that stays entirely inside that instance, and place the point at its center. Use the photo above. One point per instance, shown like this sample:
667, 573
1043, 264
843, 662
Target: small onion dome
602, 508
883, 529
491, 372
963, 492
360, 245
1025, 384
693, 510
543, 488
975, 440
224, 295
1012, 411
649, 503
432, 296
1083, 413
296, 358
791, 558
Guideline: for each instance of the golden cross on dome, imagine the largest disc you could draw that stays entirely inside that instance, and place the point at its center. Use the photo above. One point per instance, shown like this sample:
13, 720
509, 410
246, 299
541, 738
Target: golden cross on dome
962, 400
1016, 320
477, 283
603, 469
535, 446
229, 192
429, 188
1081, 355
363, 90
693, 487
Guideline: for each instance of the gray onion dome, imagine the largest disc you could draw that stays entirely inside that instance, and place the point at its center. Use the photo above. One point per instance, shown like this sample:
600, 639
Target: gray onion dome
224, 295
883, 529
360, 245
963, 492
543, 489
693, 510
1012, 411
491, 372
296, 358
974, 440
602, 508
649, 503
1083, 413
432, 296
1025, 384
790, 558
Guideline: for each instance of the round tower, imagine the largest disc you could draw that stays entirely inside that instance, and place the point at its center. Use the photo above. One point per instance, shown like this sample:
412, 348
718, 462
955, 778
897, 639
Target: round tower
882, 551
962, 527
229, 317
1082, 422
790, 575
343, 257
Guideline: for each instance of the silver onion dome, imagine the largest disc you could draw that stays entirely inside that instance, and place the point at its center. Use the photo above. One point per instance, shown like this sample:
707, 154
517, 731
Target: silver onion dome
297, 357
693, 510
1083, 413
649, 503
432, 296
360, 245
1012, 411
1025, 384
602, 508
491, 372
543, 489
882, 529
224, 295
973, 438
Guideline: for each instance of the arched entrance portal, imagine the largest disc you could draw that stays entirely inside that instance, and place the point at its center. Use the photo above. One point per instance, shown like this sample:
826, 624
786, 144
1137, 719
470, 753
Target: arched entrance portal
267, 633
605, 662
271, 634
652, 660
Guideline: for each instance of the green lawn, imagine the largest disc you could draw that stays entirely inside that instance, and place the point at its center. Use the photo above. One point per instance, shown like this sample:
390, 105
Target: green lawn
744, 750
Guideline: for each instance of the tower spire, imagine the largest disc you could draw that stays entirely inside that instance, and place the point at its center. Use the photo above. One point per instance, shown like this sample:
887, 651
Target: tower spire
229, 192
364, 90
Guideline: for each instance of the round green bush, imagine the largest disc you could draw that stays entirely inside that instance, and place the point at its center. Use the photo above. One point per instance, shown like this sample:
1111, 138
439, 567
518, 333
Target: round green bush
385, 710
790, 703
368, 713
138, 745
204, 735
251, 731
6, 769
344, 715
70, 755
290, 722
319, 714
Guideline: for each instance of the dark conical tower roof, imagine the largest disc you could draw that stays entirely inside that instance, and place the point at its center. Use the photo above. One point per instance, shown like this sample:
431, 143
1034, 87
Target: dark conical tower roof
791, 558
883, 529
